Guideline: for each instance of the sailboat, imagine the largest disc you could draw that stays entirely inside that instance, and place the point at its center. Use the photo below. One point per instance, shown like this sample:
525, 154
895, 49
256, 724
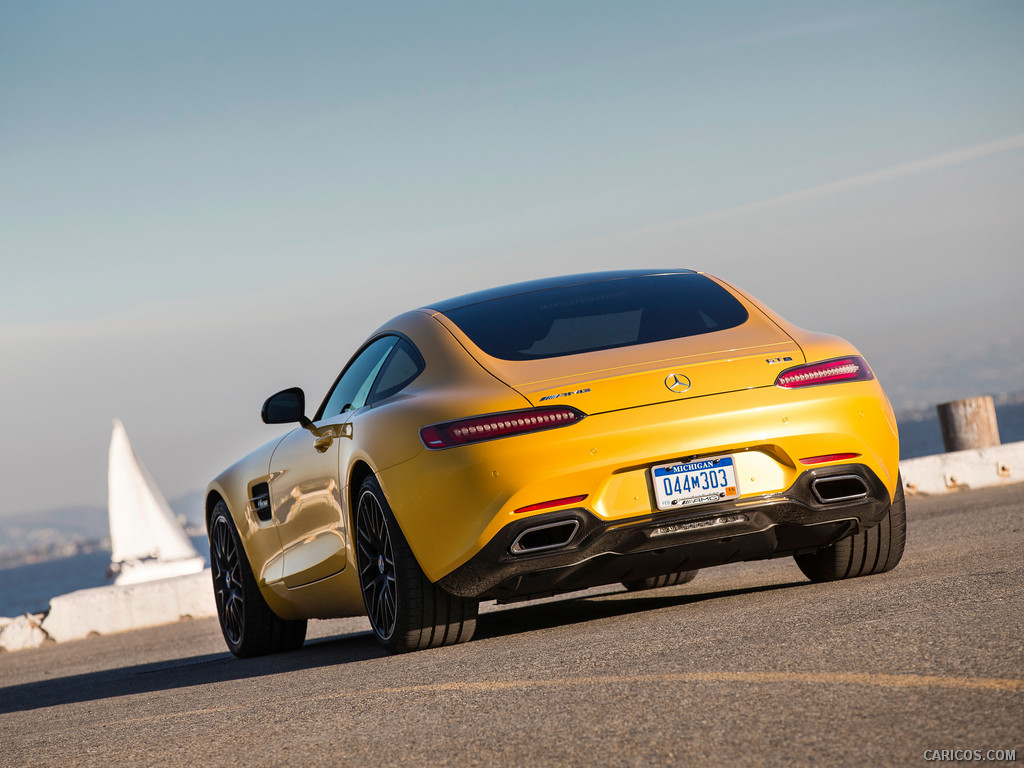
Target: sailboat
146, 541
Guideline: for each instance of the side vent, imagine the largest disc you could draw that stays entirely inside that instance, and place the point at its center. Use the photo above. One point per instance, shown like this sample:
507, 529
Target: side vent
260, 502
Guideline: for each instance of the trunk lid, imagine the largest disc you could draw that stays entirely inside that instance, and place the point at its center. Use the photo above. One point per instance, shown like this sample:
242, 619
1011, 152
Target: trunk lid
747, 356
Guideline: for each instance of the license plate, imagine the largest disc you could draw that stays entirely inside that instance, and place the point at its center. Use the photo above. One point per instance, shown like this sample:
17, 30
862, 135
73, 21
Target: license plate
695, 482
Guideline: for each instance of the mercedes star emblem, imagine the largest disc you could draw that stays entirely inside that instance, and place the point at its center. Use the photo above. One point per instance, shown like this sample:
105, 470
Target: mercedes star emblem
677, 382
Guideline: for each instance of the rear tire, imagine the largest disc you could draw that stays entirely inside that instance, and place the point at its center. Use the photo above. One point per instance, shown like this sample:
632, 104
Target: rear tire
668, 580
875, 550
250, 628
406, 611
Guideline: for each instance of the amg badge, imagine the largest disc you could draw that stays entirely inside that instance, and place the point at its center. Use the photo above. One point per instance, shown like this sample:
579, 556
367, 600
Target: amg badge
563, 394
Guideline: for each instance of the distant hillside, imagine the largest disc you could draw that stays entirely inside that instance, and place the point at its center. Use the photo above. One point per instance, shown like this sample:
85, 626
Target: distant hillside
58, 530
78, 523
190, 506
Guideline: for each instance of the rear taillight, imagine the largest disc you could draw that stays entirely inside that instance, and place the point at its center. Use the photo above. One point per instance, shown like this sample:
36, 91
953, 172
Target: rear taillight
852, 368
496, 425
552, 504
829, 457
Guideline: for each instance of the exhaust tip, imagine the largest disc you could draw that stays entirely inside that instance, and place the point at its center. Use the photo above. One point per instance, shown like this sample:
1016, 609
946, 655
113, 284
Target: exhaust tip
544, 537
832, 490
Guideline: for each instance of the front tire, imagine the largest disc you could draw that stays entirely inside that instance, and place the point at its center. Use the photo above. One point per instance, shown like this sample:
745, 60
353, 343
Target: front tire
407, 612
875, 550
250, 628
667, 580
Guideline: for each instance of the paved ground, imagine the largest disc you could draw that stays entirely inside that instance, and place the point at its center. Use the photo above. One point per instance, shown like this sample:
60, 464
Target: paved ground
748, 664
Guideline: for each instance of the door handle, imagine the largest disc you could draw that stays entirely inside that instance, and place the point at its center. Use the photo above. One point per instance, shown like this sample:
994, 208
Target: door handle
325, 435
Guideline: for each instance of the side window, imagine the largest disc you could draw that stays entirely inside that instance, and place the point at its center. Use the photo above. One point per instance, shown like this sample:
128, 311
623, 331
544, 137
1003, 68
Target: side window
404, 365
353, 386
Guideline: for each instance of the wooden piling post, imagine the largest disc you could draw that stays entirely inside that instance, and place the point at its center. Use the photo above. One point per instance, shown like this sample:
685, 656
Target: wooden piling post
969, 423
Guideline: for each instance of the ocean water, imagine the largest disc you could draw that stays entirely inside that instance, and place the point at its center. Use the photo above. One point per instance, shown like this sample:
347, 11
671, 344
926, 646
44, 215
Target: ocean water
28, 588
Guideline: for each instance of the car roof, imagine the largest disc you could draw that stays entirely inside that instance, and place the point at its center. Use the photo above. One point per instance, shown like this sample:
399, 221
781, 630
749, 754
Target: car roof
544, 284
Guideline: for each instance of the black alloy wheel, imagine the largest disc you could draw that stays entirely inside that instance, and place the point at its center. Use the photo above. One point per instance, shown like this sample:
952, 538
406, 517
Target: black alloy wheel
376, 566
407, 612
249, 625
227, 581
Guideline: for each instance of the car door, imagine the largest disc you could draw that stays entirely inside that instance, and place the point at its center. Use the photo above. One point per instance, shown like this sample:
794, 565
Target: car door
305, 479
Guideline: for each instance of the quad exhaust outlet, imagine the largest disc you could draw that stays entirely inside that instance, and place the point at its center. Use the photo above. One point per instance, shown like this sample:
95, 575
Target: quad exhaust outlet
833, 490
541, 538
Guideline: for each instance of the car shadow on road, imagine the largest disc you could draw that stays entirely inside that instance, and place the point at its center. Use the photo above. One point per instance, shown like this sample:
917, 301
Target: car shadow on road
528, 617
184, 673
332, 651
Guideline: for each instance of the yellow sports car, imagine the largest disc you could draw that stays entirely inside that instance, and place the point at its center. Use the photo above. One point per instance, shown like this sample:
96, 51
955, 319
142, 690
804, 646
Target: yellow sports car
550, 436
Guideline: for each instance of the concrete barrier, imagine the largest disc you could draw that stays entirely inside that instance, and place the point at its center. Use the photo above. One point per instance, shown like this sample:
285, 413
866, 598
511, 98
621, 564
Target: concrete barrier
978, 468
106, 610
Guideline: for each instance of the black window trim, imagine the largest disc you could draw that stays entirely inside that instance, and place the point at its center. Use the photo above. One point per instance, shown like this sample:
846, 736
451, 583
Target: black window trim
417, 356
374, 397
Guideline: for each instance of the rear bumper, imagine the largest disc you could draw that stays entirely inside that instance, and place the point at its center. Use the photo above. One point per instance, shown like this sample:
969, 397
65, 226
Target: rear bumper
598, 551
452, 503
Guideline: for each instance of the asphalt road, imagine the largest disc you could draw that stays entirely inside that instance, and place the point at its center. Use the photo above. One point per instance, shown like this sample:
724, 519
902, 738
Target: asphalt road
747, 665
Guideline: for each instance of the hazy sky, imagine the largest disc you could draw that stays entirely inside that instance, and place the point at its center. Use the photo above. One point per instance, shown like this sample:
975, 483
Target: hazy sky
203, 203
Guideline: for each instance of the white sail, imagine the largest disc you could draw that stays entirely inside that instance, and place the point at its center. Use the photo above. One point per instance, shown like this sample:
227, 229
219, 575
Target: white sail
146, 540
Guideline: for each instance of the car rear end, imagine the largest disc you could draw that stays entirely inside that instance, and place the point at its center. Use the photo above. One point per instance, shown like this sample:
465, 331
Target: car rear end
675, 424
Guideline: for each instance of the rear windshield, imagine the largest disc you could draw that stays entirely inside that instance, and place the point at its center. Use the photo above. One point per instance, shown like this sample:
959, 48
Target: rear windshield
568, 320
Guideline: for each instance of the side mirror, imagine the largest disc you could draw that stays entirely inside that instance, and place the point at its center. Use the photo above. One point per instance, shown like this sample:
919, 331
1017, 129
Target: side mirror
286, 407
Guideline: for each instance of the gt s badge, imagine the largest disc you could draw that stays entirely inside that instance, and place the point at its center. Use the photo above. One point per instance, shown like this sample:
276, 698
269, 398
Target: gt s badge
774, 360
